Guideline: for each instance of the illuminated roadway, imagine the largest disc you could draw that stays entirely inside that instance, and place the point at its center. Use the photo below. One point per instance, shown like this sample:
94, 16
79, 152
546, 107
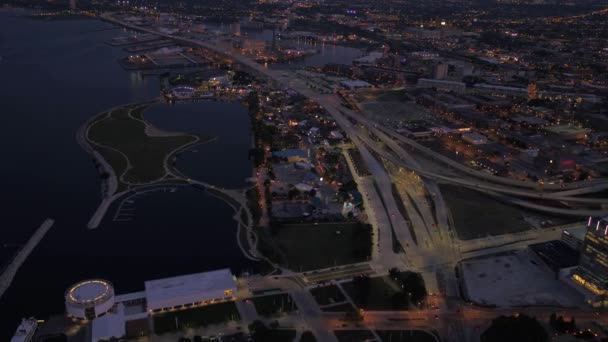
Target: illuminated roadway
418, 256
382, 133
291, 80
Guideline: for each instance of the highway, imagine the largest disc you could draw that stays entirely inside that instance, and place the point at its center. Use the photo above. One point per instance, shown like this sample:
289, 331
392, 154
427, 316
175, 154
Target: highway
532, 236
389, 137
333, 105
435, 252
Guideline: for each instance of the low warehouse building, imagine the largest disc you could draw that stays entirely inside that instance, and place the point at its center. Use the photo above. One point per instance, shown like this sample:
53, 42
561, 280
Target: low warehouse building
189, 290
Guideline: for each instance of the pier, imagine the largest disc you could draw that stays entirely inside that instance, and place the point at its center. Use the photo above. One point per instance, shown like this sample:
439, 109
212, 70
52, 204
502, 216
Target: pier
9, 273
150, 46
132, 40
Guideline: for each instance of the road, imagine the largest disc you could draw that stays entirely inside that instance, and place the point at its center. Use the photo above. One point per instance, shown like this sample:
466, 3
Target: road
437, 253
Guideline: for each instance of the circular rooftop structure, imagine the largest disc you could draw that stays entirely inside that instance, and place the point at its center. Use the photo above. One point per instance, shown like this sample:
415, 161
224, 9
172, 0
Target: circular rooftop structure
89, 298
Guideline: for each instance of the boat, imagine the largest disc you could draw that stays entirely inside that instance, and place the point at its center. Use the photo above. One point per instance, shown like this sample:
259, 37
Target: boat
26, 330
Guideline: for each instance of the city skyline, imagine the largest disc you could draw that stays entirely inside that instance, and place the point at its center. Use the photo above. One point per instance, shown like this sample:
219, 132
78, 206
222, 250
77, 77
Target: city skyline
305, 170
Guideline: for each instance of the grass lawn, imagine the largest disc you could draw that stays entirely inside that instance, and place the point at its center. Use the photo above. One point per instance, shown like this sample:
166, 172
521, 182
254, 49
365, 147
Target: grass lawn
195, 317
405, 336
308, 336
119, 131
399, 95
274, 304
308, 247
353, 335
490, 217
394, 109
325, 295
380, 296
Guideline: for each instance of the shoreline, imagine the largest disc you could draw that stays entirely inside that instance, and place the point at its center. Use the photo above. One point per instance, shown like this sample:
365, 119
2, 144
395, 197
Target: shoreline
235, 198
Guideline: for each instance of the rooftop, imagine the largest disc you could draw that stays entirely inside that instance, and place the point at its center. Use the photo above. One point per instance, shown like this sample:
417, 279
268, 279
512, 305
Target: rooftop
556, 254
89, 291
187, 285
498, 280
355, 84
578, 233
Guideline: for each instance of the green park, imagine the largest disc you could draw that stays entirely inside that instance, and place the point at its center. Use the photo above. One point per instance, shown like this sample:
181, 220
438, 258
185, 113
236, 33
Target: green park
137, 152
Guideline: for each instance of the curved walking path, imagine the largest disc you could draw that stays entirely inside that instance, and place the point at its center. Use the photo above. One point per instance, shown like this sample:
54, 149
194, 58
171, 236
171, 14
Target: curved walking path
110, 184
235, 198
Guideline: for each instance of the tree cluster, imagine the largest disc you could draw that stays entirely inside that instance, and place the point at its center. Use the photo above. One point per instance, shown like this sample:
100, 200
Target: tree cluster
520, 328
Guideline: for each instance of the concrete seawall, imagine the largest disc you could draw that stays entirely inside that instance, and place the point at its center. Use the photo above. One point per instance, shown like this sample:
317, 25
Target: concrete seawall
9, 274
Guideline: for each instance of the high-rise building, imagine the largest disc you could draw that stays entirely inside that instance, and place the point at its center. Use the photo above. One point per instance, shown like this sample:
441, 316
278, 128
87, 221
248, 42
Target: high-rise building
592, 271
532, 91
235, 29
440, 71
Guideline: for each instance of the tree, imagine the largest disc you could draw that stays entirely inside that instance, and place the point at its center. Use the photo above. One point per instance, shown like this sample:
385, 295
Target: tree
520, 328
293, 194
399, 300
561, 325
253, 102
258, 328
308, 336
413, 284
393, 273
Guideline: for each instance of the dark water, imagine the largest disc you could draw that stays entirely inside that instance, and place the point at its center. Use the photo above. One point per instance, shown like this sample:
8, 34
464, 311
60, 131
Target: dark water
54, 75
328, 53
222, 162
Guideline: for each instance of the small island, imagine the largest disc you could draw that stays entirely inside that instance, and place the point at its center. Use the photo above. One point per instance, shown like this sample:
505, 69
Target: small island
132, 155
138, 153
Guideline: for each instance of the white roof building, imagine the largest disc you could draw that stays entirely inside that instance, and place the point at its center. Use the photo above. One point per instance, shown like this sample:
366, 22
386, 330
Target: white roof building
190, 289
474, 138
355, 84
109, 325
336, 135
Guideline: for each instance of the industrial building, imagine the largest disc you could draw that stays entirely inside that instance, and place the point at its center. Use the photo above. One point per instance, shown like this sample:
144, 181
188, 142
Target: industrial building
457, 87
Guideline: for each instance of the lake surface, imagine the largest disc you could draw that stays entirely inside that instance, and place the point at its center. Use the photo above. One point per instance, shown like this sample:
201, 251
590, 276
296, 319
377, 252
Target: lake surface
327, 53
224, 161
55, 75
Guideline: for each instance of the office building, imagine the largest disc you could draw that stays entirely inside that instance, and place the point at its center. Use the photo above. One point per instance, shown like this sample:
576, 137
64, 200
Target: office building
592, 271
